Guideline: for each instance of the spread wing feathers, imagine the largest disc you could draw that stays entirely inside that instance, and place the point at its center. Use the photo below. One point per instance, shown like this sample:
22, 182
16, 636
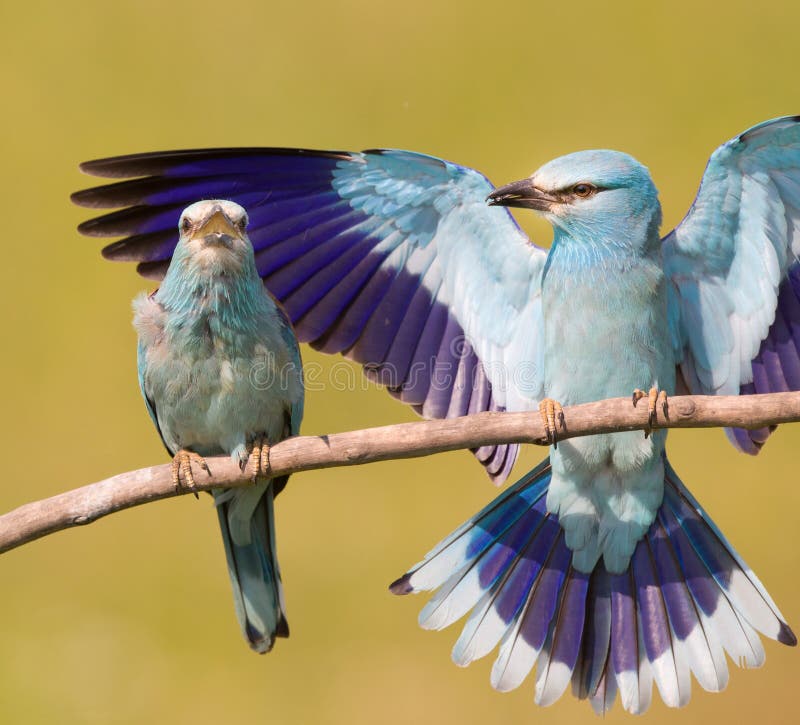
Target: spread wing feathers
733, 266
685, 600
390, 257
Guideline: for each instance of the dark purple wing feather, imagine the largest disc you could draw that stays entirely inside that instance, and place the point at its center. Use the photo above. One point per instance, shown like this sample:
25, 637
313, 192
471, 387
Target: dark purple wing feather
345, 241
776, 368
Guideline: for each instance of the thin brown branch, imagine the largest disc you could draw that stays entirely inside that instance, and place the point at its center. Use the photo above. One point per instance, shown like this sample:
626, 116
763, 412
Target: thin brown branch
407, 440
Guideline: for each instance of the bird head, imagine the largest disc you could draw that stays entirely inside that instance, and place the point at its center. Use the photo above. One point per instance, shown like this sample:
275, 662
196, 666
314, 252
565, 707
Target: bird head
589, 194
213, 237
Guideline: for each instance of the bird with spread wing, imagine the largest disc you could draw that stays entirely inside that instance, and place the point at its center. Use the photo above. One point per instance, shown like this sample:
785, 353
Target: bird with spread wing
598, 567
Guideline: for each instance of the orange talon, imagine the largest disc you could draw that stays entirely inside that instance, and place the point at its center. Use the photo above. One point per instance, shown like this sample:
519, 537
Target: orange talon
182, 469
259, 458
662, 401
551, 409
655, 397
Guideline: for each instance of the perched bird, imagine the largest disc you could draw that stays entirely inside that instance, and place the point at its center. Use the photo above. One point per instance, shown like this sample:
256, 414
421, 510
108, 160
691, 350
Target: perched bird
598, 567
220, 372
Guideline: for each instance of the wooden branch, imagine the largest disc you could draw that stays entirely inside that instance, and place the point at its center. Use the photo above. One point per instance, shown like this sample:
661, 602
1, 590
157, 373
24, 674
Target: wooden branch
407, 440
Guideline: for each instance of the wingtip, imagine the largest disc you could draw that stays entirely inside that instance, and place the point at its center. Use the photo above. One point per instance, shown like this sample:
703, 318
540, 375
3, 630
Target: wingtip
153, 270
112, 252
90, 228
111, 167
82, 198
85, 167
766, 126
158, 162
402, 585
786, 635
142, 164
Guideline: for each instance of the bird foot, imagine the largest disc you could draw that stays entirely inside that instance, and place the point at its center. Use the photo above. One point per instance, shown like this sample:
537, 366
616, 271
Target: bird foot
551, 410
182, 469
655, 398
258, 461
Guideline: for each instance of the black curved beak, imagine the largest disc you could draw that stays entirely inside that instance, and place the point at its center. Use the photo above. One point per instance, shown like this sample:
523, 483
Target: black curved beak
522, 194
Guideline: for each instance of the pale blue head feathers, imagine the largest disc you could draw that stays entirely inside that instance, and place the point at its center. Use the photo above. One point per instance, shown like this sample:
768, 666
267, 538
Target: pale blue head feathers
214, 263
213, 240
597, 196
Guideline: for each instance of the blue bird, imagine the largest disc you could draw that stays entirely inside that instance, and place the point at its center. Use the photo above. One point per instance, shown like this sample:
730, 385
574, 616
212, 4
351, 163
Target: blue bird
598, 567
220, 372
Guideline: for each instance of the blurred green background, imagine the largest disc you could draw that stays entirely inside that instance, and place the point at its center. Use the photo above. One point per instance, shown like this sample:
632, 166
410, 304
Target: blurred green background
130, 620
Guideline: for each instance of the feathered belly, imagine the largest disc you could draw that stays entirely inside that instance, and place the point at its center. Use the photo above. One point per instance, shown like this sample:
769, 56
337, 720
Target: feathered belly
216, 404
605, 340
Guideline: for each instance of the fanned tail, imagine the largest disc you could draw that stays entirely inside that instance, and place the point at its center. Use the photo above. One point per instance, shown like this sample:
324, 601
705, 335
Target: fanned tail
685, 600
248, 531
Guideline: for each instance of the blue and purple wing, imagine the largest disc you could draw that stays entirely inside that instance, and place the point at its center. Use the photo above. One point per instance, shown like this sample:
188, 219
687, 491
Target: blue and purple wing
734, 271
389, 257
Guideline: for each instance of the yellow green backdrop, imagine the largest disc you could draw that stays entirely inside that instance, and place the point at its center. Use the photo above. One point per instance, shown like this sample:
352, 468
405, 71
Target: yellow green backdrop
130, 620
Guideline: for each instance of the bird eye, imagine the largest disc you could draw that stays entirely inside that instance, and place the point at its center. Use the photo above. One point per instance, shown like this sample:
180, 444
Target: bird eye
584, 189
186, 224
242, 224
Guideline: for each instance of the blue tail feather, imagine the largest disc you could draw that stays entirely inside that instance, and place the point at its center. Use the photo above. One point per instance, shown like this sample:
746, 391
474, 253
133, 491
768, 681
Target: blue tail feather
248, 531
526, 637
562, 649
688, 622
685, 598
506, 596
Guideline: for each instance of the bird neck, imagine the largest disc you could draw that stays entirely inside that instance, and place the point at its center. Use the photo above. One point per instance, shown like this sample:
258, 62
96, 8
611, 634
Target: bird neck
606, 241
234, 299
